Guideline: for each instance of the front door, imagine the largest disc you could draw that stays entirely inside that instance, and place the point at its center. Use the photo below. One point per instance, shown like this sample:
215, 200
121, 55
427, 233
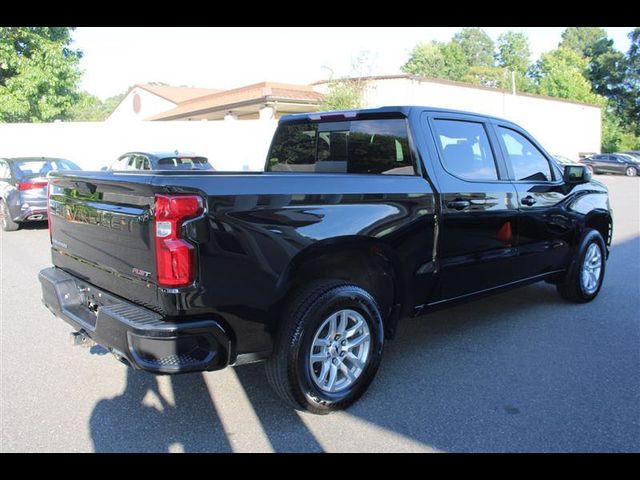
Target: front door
543, 228
479, 208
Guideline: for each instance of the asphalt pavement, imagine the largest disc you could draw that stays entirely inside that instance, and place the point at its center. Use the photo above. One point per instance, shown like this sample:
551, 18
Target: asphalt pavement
521, 371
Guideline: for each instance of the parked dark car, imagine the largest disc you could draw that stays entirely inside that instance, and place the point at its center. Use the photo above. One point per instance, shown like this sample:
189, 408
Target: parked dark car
23, 188
175, 160
361, 218
613, 163
633, 153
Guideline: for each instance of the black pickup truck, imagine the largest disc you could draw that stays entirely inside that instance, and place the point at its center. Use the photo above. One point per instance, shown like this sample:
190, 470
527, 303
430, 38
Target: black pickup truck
360, 218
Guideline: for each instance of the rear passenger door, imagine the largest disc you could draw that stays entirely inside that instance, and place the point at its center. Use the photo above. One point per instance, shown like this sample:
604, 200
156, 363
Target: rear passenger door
479, 207
543, 228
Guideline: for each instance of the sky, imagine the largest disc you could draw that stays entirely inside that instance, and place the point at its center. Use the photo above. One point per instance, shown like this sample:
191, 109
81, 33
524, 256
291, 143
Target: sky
228, 57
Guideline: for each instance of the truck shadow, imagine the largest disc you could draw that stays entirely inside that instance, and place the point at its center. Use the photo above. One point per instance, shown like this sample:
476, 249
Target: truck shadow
142, 420
519, 371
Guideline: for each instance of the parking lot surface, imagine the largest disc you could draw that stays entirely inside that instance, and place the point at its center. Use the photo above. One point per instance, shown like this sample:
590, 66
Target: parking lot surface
520, 371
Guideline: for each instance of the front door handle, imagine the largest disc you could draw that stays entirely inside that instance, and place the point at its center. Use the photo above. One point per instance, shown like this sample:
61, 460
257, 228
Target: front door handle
528, 200
458, 204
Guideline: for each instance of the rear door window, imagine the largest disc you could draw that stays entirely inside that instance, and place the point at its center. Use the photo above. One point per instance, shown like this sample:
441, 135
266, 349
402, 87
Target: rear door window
466, 152
379, 146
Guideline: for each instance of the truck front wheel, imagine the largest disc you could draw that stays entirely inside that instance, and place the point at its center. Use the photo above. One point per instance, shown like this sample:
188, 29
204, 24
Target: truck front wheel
584, 278
329, 347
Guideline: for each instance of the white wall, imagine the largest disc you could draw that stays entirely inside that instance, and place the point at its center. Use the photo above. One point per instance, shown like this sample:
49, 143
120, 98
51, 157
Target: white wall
150, 104
562, 128
229, 146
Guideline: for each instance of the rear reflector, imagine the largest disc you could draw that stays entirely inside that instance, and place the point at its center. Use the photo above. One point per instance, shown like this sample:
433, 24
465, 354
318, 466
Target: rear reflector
22, 186
175, 257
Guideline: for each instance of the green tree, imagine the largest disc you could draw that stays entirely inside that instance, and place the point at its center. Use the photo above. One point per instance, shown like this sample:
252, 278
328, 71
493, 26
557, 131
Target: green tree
438, 60
344, 94
616, 136
109, 105
628, 104
90, 108
582, 40
561, 73
477, 46
39, 74
495, 77
347, 93
514, 52
605, 64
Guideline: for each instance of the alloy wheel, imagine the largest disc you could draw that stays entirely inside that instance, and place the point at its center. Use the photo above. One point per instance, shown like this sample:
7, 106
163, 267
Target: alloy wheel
591, 268
340, 351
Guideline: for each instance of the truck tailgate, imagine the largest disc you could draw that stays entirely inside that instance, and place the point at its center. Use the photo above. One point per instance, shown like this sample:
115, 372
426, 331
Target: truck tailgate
102, 232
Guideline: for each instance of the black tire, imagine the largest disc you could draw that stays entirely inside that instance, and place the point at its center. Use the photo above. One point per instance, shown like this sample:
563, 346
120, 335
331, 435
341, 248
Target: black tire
571, 287
8, 225
288, 368
631, 172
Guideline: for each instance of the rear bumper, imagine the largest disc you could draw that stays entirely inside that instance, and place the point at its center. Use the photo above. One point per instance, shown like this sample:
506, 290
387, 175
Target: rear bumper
32, 214
136, 335
26, 210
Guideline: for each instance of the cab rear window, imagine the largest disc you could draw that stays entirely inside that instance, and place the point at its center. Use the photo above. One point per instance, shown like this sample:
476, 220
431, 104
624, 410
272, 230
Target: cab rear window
378, 146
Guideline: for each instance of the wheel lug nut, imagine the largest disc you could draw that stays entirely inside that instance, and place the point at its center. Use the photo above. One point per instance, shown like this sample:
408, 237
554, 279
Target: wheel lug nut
342, 354
344, 342
335, 360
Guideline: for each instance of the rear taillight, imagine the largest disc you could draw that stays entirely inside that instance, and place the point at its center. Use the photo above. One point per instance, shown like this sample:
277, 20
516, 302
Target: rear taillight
22, 186
175, 257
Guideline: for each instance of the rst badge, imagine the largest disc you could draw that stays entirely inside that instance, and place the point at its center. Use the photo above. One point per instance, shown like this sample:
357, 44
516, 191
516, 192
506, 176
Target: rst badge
141, 273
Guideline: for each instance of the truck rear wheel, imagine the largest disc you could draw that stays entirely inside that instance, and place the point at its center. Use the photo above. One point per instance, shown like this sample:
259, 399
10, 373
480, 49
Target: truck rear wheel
8, 225
329, 347
584, 278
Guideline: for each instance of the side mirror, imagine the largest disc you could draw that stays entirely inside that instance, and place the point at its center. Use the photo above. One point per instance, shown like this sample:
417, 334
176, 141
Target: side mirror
576, 174
104, 169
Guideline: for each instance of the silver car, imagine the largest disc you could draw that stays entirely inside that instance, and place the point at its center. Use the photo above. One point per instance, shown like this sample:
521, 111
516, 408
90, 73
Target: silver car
23, 188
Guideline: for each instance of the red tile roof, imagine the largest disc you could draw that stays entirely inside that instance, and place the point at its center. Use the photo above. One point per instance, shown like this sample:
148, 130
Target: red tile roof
256, 92
177, 94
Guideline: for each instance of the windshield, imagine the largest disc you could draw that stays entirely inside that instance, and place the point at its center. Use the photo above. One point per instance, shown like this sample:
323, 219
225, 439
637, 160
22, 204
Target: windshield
40, 167
184, 163
627, 157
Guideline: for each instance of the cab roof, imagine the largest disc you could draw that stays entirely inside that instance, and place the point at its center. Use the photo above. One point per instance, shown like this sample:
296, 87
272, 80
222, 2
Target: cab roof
404, 110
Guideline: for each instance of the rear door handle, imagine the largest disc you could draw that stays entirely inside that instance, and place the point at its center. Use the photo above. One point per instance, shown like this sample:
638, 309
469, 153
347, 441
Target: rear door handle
528, 200
458, 204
